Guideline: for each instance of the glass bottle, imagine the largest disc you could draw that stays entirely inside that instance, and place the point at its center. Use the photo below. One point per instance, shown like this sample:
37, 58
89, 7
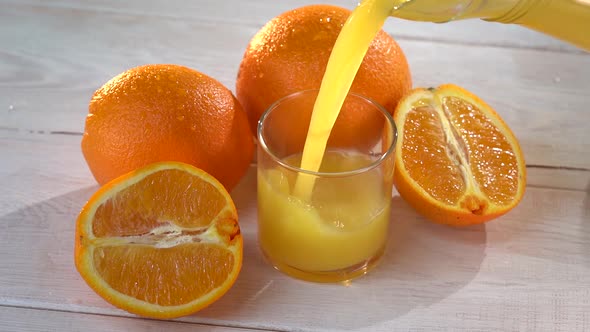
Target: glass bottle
568, 20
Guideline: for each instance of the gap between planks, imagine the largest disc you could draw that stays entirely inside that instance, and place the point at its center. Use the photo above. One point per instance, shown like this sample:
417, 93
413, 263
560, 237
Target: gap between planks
558, 177
238, 327
216, 20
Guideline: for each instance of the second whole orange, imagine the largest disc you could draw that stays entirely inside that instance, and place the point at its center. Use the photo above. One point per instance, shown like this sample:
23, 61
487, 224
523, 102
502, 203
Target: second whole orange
290, 54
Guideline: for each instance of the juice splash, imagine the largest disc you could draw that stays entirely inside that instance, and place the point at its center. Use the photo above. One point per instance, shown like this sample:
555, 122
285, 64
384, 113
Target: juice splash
347, 55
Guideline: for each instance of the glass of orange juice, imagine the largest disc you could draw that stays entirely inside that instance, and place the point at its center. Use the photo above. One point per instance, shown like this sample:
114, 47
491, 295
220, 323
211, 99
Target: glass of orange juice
337, 230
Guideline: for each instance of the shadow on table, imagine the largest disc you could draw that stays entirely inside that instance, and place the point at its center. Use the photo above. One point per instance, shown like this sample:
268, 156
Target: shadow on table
586, 223
551, 225
39, 250
423, 264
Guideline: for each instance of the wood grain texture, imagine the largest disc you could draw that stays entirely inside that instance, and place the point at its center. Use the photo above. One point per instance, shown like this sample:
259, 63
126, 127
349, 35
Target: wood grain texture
255, 13
32, 320
527, 271
55, 54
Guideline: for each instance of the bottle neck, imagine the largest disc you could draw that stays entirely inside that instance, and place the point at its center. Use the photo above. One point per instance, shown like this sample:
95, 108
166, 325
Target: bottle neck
564, 19
443, 11
520, 8
488, 9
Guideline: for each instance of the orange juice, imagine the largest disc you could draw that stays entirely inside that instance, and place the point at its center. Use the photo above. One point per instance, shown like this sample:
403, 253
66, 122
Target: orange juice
330, 226
564, 19
344, 225
347, 55
568, 20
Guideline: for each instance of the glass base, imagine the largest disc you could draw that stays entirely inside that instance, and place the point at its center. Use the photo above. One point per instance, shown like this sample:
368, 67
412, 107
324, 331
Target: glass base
333, 276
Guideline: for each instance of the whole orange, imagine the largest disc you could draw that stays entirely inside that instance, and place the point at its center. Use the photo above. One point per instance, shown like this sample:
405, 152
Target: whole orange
164, 112
290, 53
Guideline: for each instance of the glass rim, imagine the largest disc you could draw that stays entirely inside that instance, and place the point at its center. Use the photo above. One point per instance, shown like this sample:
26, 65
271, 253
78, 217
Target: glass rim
374, 164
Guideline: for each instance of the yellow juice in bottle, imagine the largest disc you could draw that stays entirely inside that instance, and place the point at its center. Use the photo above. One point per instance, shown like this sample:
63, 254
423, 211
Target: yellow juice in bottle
568, 20
343, 226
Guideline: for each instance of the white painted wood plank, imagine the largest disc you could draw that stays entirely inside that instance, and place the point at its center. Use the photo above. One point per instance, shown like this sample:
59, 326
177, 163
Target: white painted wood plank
542, 96
558, 178
527, 271
30, 320
254, 13
24, 154
55, 54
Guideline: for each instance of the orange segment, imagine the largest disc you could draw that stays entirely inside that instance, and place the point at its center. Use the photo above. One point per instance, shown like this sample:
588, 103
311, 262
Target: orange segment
162, 241
160, 203
144, 271
457, 162
491, 155
424, 128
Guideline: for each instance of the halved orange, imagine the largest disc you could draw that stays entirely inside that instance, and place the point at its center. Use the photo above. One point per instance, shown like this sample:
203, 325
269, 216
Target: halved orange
457, 162
162, 241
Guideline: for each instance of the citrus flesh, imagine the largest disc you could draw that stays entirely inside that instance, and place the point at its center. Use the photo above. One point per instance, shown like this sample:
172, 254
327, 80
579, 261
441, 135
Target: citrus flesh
457, 161
162, 241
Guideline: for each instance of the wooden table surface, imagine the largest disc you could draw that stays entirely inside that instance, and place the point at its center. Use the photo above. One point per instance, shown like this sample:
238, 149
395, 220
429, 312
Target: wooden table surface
527, 271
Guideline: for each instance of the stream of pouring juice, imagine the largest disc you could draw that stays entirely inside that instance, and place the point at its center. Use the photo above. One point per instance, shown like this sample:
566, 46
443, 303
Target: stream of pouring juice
565, 19
347, 55
329, 229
